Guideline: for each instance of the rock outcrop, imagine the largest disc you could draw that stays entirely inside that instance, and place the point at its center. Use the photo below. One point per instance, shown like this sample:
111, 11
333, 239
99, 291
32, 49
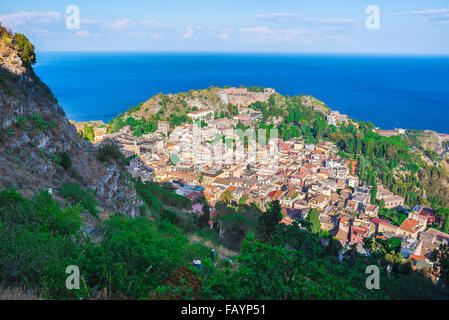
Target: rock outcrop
315, 104
34, 130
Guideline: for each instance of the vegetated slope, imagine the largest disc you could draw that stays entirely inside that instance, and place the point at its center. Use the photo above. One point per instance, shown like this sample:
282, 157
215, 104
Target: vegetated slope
35, 134
170, 106
433, 152
180, 102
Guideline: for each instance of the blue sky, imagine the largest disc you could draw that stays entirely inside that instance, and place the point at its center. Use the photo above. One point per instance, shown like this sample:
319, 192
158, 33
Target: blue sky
328, 26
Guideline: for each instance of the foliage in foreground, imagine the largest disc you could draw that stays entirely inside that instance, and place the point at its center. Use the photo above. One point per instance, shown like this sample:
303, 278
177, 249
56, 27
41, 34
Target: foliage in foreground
38, 240
137, 258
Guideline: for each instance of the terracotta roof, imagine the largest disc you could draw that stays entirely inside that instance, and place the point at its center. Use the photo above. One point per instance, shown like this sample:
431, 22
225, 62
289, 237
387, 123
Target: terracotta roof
377, 221
230, 189
275, 194
409, 225
417, 258
342, 235
319, 198
287, 221
437, 233
359, 230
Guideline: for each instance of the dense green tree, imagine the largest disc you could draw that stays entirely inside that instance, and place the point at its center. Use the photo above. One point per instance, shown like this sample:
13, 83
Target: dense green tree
25, 49
373, 193
334, 247
203, 221
271, 100
446, 226
110, 151
64, 160
271, 271
269, 220
440, 257
314, 219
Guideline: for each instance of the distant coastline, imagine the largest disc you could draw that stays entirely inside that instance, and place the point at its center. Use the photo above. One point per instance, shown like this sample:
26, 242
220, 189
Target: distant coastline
392, 91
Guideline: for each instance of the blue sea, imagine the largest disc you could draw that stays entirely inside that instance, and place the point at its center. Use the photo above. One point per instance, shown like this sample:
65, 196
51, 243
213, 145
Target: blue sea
390, 91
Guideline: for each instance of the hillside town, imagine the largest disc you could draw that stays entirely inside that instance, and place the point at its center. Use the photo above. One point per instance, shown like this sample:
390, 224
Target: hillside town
301, 176
217, 187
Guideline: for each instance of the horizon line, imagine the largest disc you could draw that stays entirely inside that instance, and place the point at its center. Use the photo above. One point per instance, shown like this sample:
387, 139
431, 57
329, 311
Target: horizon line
251, 52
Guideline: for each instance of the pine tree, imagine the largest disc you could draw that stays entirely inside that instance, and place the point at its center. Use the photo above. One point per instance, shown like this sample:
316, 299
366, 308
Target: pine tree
203, 221
269, 220
374, 193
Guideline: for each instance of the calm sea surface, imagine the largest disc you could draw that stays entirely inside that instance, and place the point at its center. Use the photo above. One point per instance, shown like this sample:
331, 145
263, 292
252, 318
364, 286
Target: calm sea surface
390, 91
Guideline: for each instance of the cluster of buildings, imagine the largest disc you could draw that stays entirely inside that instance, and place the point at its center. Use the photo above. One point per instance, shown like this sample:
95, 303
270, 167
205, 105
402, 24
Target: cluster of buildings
390, 133
301, 176
243, 97
248, 116
335, 118
418, 238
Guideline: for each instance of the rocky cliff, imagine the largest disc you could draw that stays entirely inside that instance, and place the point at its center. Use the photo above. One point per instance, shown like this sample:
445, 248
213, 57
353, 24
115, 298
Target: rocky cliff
34, 130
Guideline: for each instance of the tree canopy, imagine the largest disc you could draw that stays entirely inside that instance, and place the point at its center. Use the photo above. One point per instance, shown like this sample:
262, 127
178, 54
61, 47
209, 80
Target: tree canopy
25, 49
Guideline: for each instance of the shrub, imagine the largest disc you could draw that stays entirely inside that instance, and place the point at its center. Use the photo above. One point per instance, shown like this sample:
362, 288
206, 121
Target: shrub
109, 151
9, 91
127, 161
20, 122
36, 242
76, 195
170, 216
65, 160
40, 124
413, 167
25, 49
143, 211
4, 76
210, 235
88, 133
6, 37
155, 195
